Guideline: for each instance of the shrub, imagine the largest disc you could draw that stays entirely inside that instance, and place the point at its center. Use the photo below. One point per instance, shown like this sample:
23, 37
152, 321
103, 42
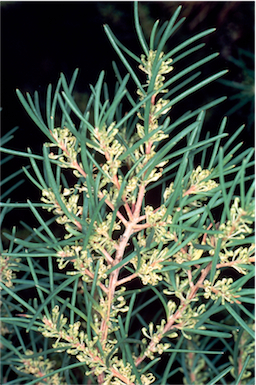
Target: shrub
150, 280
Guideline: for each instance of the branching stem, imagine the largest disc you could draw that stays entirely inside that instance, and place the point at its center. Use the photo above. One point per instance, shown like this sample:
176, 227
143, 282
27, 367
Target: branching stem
170, 323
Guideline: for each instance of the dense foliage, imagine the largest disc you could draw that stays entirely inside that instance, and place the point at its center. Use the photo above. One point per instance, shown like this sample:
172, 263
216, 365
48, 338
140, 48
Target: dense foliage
134, 289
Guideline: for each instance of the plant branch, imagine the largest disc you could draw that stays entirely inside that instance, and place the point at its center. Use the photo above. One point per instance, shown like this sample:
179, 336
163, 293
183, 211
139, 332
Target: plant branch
178, 313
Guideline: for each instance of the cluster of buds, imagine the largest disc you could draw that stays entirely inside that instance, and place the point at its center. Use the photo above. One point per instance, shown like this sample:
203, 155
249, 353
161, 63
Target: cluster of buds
40, 367
7, 267
68, 145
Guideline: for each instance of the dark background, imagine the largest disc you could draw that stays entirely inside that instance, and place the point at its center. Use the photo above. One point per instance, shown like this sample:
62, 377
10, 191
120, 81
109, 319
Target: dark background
42, 39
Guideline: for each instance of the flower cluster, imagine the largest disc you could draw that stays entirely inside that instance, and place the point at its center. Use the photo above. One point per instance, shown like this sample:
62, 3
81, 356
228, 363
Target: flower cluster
149, 62
65, 255
144, 157
159, 225
86, 350
7, 267
101, 239
125, 370
155, 337
221, 289
40, 367
104, 142
199, 181
148, 268
69, 338
239, 258
188, 318
238, 224
67, 142
188, 253
158, 107
69, 199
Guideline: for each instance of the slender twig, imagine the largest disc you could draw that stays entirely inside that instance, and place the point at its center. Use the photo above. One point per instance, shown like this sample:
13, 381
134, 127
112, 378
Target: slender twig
127, 279
170, 323
109, 259
112, 207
